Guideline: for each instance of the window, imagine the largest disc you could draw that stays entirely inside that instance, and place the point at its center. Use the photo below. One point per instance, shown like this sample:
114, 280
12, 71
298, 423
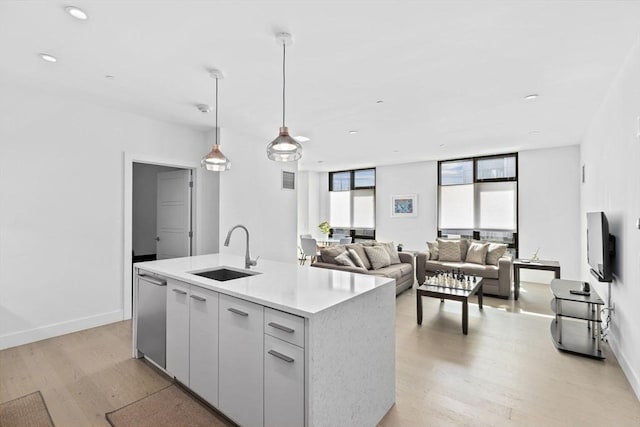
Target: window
352, 201
478, 198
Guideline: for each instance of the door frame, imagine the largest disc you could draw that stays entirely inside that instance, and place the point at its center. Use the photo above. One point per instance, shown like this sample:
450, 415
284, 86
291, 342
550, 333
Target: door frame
127, 237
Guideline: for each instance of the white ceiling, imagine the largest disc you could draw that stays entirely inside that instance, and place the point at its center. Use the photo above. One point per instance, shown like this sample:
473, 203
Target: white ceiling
450, 72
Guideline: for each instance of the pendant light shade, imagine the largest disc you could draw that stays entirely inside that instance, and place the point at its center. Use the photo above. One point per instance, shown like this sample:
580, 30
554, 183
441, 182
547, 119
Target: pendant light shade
284, 148
216, 161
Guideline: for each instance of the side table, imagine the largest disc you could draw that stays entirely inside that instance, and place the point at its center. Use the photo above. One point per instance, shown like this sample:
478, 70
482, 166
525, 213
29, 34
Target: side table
519, 263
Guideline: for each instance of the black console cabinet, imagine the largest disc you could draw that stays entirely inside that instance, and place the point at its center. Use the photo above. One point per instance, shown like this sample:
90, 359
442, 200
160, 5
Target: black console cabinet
577, 326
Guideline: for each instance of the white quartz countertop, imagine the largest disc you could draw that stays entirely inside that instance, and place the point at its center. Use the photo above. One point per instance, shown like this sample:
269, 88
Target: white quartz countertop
300, 290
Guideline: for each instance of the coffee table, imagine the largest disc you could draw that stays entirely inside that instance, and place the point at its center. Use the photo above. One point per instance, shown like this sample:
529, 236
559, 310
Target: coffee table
455, 294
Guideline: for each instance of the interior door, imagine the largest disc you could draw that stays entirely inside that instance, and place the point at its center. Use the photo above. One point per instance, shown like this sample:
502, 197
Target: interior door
173, 238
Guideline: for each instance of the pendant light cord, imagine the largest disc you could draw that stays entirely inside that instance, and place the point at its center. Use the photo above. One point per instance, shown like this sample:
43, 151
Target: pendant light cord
284, 54
216, 129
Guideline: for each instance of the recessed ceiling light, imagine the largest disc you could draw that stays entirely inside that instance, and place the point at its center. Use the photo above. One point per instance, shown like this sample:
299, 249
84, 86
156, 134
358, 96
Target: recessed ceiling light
532, 96
396, 151
204, 108
110, 77
441, 145
320, 161
353, 132
301, 138
379, 101
534, 132
76, 12
48, 58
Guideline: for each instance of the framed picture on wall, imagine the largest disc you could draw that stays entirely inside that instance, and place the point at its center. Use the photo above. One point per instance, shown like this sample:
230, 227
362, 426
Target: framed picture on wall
404, 205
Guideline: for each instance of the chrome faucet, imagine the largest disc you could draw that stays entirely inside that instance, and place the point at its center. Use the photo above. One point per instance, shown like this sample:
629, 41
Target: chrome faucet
248, 262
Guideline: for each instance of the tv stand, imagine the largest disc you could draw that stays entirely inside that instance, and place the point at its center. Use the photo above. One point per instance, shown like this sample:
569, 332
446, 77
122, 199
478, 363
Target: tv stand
567, 329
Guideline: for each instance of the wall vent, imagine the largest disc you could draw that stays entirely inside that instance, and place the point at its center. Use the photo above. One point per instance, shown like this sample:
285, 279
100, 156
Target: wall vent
288, 180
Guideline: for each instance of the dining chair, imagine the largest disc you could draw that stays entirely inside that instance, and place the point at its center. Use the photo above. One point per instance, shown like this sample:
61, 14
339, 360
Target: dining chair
345, 240
309, 249
306, 236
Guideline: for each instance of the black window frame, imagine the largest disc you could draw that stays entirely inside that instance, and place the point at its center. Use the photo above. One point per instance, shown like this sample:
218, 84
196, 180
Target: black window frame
356, 233
476, 232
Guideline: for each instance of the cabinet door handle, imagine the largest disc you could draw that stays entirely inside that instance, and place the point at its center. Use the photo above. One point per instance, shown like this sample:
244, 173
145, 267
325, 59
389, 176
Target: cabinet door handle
238, 312
152, 280
179, 291
281, 356
282, 328
197, 298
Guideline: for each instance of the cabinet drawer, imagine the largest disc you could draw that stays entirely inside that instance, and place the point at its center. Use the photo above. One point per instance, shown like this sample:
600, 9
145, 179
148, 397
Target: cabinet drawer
283, 383
287, 327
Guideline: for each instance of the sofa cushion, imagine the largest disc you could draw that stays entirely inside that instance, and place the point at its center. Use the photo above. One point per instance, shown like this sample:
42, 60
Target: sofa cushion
345, 259
433, 250
486, 271
449, 250
495, 252
392, 251
356, 258
329, 254
359, 249
378, 256
395, 271
464, 246
477, 253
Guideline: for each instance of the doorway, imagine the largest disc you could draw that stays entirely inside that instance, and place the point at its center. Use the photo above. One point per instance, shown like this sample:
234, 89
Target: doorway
161, 216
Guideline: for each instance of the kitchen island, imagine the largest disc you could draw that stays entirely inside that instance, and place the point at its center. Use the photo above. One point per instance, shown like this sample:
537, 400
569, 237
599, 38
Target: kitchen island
284, 346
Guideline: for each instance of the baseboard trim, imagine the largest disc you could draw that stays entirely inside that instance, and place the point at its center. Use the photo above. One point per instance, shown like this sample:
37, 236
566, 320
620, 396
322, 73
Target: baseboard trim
632, 376
56, 329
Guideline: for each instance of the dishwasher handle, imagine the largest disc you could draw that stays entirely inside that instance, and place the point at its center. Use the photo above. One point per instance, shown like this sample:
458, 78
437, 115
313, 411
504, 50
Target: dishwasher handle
152, 280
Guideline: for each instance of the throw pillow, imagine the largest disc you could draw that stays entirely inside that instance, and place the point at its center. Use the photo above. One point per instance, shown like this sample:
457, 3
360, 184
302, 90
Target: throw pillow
359, 249
357, 260
378, 256
463, 244
433, 250
477, 253
391, 249
329, 254
495, 252
449, 250
343, 259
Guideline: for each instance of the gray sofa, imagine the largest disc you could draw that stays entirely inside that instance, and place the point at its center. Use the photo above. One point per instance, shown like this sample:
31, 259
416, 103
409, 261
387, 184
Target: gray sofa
497, 279
403, 273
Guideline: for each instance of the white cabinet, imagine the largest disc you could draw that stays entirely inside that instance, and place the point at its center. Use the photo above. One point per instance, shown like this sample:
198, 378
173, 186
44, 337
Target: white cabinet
241, 377
203, 344
283, 383
192, 338
178, 330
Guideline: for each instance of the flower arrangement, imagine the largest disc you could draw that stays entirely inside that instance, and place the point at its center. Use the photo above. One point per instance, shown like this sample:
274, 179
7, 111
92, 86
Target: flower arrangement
324, 227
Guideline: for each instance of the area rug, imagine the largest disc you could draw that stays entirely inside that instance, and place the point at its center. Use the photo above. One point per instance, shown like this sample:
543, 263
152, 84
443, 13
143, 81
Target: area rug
169, 407
25, 411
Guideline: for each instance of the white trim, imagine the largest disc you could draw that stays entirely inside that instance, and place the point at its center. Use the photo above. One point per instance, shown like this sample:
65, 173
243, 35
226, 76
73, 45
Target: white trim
632, 376
127, 238
56, 329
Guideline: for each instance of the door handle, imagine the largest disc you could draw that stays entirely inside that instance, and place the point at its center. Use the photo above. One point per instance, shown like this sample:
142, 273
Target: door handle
179, 291
281, 356
238, 312
197, 298
152, 280
281, 327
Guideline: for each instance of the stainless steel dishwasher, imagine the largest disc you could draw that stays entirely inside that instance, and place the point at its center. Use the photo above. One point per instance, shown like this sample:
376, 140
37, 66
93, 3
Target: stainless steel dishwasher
152, 318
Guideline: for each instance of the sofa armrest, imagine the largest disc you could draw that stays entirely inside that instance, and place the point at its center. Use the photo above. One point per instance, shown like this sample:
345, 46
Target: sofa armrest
339, 267
406, 258
505, 272
421, 270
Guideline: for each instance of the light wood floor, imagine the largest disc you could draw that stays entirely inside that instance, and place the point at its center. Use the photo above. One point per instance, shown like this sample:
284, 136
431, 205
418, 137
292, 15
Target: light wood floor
506, 372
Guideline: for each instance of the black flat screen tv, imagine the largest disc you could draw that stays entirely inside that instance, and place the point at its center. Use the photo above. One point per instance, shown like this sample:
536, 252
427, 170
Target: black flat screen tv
600, 246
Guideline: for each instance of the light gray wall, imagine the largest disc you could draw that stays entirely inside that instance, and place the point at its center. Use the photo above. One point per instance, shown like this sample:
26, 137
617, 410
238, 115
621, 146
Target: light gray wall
611, 155
549, 206
62, 198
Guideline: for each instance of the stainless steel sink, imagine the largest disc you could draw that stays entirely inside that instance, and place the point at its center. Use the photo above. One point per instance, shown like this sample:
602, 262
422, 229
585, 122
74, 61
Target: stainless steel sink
222, 274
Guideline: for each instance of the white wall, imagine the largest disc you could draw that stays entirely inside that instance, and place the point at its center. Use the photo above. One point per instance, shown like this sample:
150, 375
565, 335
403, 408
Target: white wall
61, 208
549, 208
412, 178
611, 155
310, 213
251, 194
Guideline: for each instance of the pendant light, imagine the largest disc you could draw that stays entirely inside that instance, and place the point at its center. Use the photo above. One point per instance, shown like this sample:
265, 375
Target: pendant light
215, 160
284, 148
